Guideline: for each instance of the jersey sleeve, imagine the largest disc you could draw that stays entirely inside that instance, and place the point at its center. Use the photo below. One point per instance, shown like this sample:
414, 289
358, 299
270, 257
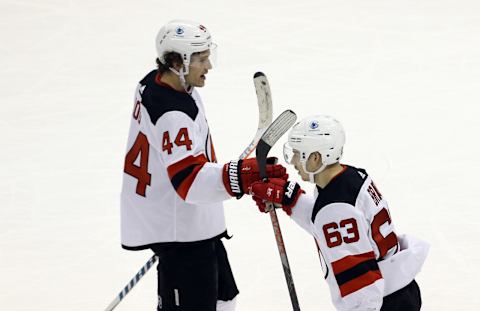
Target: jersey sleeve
302, 212
342, 233
182, 145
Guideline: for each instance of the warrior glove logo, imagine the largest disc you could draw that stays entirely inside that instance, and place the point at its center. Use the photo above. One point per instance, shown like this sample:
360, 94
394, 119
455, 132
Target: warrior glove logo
289, 190
233, 177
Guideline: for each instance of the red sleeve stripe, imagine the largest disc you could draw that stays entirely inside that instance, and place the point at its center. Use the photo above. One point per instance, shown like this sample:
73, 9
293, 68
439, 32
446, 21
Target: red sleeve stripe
360, 282
356, 272
183, 173
348, 262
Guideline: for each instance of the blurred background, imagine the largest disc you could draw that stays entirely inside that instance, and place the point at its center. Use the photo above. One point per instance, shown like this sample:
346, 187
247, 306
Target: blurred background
402, 76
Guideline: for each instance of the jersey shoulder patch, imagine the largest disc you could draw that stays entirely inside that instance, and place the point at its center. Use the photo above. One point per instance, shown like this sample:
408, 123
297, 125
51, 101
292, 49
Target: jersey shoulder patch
158, 99
344, 188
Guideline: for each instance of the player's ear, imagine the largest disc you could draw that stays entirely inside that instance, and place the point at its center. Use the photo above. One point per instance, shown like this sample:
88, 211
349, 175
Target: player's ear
175, 61
177, 65
317, 157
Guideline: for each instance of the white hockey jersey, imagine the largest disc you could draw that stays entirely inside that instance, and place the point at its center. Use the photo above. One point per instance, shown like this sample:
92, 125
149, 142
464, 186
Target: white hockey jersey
363, 259
172, 186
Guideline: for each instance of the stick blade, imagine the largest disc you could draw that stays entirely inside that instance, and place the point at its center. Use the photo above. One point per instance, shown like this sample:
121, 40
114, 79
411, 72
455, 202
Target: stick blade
273, 133
264, 98
265, 110
279, 127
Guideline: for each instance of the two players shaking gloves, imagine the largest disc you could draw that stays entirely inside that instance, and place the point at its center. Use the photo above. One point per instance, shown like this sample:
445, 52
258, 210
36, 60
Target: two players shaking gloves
242, 176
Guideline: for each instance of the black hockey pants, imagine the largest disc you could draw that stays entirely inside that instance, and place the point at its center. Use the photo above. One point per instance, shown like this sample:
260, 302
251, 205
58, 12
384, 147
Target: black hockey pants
405, 299
193, 276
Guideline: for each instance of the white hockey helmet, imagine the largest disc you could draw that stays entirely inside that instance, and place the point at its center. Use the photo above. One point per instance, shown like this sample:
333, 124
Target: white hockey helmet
183, 37
320, 133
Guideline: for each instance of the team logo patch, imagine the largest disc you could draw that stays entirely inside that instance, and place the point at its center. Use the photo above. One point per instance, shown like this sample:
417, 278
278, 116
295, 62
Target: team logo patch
314, 125
179, 30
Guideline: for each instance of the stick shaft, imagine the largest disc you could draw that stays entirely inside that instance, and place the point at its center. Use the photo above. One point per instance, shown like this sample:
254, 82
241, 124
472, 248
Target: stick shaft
132, 283
278, 127
284, 259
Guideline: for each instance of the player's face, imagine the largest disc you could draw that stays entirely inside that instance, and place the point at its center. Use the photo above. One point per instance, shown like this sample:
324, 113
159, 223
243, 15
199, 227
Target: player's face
199, 66
298, 165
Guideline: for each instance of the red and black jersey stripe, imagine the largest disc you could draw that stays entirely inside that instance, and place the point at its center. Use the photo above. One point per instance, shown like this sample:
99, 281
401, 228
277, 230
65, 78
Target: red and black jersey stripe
355, 272
183, 173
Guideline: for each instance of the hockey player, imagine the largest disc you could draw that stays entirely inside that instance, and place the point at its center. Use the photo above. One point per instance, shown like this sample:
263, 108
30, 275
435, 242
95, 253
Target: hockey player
173, 187
366, 264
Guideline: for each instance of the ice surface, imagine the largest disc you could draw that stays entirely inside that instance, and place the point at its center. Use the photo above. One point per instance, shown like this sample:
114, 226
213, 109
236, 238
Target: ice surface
402, 76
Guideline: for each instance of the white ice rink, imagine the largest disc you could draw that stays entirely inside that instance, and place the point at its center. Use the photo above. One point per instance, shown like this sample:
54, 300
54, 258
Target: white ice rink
403, 76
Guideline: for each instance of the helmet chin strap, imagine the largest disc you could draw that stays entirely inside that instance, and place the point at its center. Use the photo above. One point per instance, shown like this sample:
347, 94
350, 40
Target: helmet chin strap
188, 88
311, 175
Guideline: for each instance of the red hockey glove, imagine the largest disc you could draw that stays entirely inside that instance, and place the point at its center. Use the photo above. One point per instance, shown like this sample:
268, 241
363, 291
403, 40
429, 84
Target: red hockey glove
278, 191
262, 204
238, 175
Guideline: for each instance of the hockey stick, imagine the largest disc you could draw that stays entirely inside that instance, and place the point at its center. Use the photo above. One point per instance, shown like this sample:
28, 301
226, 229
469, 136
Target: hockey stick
265, 111
132, 283
279, 127
265, 115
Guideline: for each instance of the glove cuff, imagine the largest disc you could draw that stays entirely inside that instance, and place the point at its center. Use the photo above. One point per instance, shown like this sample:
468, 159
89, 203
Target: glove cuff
291, 194
232, 178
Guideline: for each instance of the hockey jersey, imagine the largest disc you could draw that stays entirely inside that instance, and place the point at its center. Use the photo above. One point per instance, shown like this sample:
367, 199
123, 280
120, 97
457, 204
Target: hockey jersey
172, 187
363, 259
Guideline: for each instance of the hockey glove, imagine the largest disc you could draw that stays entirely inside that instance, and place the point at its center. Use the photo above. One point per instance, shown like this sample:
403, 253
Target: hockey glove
238, 175
278, 191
